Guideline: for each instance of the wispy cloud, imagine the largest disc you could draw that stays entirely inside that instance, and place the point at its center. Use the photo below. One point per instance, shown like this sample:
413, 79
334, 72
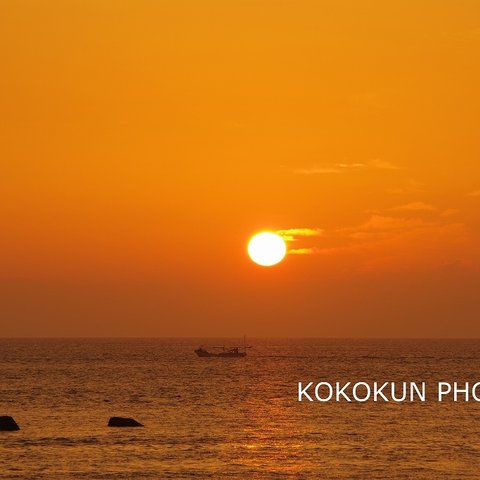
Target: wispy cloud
414, 207
293, 234
378, 226
375, 164
412, 186
475, 193
317, 170
351, 165
393, 243
388, 241
382, 164
302, 251
449, 212
301, 232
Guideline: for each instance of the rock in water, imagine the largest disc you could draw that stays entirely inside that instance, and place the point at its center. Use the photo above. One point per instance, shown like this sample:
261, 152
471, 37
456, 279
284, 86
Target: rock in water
8, 424
123, 422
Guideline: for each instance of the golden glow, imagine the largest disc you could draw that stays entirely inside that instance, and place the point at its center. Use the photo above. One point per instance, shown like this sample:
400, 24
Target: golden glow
135, 167
267, 249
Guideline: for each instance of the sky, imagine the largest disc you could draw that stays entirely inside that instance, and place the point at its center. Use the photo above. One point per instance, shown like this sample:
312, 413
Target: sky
142, 143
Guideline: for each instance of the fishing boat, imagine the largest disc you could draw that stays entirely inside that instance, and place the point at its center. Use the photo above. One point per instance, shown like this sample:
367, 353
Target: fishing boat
231, 352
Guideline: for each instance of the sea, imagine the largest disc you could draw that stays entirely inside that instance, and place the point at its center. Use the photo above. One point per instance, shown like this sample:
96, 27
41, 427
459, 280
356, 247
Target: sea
233, 418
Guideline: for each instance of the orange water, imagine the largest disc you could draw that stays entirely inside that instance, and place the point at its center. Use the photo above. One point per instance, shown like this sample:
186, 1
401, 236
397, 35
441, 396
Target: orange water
231, 418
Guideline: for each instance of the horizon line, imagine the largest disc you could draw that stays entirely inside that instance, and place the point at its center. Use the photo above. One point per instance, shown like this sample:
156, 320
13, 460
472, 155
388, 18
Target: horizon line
166, 337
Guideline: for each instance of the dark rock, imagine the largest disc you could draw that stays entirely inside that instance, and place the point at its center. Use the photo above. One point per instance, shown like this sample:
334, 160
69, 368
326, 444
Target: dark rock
123, 422
8, 424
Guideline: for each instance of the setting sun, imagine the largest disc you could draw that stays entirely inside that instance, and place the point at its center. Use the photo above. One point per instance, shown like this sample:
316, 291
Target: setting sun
267, 249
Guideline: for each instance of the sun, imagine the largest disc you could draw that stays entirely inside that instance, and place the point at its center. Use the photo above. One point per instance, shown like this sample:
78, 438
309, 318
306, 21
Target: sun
267, 249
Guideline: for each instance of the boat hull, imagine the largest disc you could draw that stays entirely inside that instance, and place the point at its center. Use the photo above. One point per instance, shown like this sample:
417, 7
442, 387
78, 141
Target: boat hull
204, 353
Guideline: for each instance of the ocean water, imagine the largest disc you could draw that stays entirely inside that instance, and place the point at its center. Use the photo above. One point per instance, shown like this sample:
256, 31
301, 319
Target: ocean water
232, 418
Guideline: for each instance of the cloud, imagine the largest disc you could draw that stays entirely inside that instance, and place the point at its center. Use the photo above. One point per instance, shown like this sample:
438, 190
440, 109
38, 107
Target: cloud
293, 234
475, 193
414, 207
412, 186
302, 251
301, 232
382, 164
388, 242
449, 211
378, 226
298, 234
376, 164
351, 165
317, 170
396, 244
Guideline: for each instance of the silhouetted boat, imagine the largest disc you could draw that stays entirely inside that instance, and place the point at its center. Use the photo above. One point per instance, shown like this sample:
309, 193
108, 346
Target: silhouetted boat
232, 352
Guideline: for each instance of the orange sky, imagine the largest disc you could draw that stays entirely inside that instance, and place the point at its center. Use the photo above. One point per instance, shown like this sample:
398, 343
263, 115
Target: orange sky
143, 142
